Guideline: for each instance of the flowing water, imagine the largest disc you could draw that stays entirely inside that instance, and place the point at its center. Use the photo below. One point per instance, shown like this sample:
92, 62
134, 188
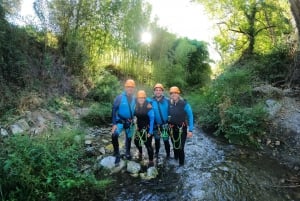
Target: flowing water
213, 171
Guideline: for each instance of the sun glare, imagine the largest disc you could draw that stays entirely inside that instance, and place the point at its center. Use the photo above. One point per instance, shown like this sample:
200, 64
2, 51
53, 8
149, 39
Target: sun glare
146, 37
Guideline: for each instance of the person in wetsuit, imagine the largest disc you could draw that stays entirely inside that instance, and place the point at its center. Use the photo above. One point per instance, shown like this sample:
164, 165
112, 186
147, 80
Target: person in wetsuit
144, 121
179, 112
160, 106
122, 119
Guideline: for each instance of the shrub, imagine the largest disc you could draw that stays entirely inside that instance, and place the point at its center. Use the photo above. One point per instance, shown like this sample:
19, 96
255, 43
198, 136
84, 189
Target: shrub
241, 125
228, 108
99, 113
43, 168
106, 88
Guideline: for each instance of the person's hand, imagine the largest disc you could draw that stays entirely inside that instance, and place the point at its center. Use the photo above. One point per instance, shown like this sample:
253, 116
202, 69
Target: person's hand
113, 129
189, 134
149, 135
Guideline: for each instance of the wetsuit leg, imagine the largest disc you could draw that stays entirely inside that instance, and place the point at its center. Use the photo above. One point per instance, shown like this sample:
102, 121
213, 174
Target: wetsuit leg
157, 142
181, 150
167, 147
138, 145
175, 142
128, 143
149, 147
115, 142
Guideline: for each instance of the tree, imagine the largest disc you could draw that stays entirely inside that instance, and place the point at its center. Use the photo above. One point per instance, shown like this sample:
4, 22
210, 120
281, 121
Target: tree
294, 75
249, 26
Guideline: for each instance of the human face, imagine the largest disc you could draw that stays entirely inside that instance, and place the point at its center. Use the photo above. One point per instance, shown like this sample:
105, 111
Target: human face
174, 96
158, 92
141, 101
129, 91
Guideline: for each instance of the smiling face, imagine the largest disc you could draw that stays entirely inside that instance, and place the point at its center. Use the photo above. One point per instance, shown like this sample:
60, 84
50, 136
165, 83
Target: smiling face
141, 100
158, 92
129, 91
174, 96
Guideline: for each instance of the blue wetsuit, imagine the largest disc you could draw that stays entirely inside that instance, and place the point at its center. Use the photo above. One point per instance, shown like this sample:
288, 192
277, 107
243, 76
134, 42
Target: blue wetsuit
179, 113
161, 112
122, 117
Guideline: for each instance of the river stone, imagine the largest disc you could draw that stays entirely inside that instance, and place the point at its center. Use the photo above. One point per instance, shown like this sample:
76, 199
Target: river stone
105, 141
152, 173
109, 163
88, 142
102, 150
15, 128
3, 132
23, 123
133, 167
272, 107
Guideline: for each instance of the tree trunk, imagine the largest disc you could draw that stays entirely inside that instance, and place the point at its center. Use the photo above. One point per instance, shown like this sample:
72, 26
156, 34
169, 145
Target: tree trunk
294, 78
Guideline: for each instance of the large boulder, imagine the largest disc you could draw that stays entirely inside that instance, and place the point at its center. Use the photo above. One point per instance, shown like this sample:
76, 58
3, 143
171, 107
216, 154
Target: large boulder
109, 164
133, 167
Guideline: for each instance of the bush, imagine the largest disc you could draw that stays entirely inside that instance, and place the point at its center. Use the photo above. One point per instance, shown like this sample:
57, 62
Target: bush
99, 113
241, 125
43, 168
227, 107
106, 88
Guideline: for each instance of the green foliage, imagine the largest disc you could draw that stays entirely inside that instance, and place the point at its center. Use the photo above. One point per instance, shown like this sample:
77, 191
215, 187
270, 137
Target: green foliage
106, 87
42, 168
99, 113
241, 125
228, 108
61, 106
272, 67
75, 54
181, 62
252, 26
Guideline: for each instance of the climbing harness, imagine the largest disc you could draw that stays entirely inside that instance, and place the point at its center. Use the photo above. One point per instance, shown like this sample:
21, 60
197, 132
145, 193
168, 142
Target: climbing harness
178, 140
141, 136
164, 131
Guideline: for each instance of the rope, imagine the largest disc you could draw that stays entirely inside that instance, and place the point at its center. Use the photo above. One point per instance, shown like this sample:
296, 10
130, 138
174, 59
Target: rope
164, 132
178, 139
141, 136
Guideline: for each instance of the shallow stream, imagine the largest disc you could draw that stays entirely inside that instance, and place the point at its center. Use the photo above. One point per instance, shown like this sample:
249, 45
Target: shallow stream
213, 171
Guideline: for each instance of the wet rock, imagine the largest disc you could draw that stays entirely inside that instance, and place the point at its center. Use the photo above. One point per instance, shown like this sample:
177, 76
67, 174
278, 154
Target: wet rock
89, 137
109, 163
105, 141
3, 132
90, 151
88, 142
15, 128
102, 150
133, 167
109, 148
37, 130
272, 107
152, 173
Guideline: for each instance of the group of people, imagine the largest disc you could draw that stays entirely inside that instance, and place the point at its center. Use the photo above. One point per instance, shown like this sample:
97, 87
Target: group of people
144, 118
